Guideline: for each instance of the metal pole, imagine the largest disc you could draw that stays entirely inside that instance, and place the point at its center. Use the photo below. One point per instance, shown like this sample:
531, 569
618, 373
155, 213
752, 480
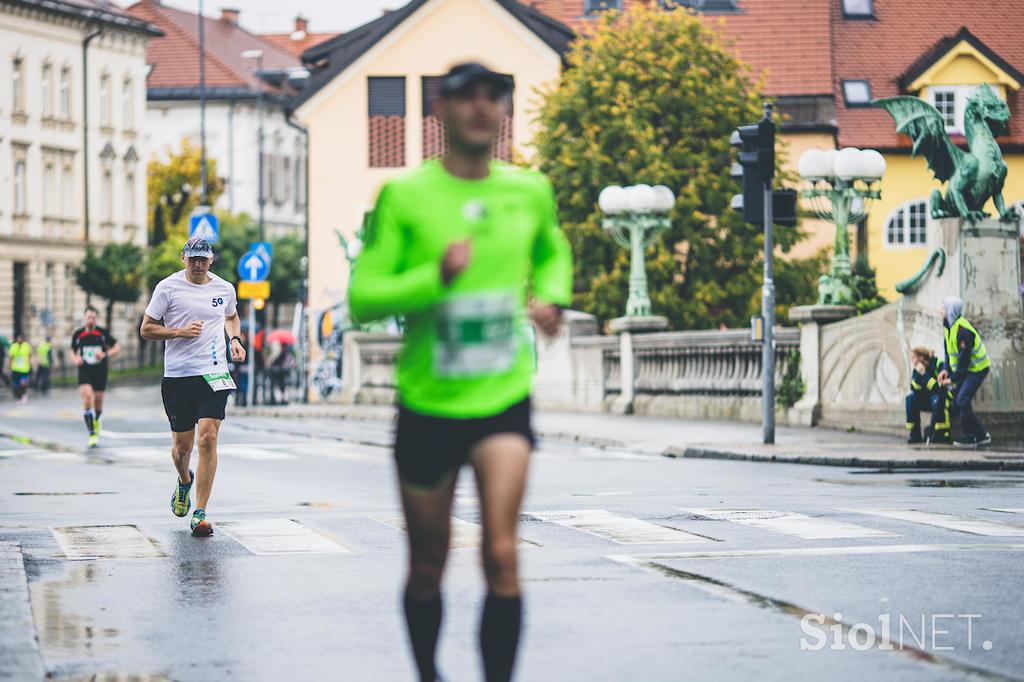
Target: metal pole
259, 115
768, 311
95, 33
202, 103
251, 357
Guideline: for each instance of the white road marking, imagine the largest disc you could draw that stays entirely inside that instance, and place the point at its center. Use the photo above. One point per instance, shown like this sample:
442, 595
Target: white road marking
251, 452
791, 523
810, 551
464, 533
279, 536
106, 542
963, 524
620, 529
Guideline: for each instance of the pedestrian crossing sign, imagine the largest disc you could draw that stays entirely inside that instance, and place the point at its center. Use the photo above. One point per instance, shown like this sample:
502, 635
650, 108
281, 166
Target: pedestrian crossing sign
204, 226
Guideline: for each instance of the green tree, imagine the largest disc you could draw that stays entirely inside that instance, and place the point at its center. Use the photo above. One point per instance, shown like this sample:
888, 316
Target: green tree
653, 96
173, 186
116, 274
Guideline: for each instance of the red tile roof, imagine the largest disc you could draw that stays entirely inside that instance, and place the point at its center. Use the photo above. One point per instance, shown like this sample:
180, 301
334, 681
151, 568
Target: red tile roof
884, 49
175, 57
786, 40
287, 41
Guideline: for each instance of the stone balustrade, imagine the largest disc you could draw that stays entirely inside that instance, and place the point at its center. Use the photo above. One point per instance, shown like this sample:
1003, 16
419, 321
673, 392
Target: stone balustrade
713, 374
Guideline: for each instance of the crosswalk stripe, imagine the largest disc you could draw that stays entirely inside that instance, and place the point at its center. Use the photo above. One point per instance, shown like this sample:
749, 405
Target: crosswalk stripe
791, 523
963, 524
105, 542
619, 529
465, 534
279, 536
137, 435
812, 551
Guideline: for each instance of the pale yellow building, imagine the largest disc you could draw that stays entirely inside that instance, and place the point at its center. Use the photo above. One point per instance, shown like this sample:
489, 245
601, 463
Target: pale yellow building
367, 109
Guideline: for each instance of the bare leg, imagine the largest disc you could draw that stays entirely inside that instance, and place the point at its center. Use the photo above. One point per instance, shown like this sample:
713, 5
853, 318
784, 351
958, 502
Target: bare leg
207, 469
87, 394
97, 401
181, 453
428, 520
501, 463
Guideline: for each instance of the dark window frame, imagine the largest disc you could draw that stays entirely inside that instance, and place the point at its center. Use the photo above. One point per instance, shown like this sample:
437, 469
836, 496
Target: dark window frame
859, 16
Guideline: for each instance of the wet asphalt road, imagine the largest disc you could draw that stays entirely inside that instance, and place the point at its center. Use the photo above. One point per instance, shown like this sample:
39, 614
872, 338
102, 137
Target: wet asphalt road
636, 567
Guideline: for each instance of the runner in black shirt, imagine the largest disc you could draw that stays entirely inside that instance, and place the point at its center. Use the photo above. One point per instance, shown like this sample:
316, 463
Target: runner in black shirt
90, 347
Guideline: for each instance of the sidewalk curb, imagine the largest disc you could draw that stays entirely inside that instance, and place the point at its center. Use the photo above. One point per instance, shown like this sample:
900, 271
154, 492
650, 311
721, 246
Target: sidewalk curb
1010, 463
19, 647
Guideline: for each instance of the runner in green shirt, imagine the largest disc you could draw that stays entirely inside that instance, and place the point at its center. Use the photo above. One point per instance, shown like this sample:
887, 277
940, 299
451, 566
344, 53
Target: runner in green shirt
458, 247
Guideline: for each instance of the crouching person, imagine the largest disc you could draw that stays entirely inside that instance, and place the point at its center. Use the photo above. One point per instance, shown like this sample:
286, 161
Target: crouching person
927, 395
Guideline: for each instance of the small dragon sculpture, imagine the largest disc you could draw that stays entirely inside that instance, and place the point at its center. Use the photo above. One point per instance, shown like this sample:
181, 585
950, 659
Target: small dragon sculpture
975, 175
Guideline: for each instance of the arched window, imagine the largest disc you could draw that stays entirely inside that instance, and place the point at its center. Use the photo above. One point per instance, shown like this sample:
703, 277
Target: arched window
907, 225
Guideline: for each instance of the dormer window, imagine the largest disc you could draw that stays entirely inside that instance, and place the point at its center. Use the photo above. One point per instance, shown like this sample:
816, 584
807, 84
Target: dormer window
597, 6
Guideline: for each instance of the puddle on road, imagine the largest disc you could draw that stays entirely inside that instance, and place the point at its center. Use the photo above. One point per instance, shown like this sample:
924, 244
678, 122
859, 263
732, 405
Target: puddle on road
62, 632
1003, 482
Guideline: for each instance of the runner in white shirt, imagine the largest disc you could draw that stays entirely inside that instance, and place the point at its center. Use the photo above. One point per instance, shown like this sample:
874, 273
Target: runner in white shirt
194, 311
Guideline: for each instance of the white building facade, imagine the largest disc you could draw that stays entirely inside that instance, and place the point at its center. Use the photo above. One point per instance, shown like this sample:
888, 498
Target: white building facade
44, 161
232, 140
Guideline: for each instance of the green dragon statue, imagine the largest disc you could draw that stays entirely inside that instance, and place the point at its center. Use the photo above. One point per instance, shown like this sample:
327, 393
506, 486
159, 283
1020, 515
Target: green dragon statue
975, 175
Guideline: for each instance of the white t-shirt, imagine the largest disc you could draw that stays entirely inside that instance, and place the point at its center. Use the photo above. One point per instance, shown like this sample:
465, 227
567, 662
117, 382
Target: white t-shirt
180, 302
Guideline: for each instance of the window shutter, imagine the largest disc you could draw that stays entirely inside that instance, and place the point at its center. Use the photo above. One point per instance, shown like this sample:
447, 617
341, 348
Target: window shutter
386, 97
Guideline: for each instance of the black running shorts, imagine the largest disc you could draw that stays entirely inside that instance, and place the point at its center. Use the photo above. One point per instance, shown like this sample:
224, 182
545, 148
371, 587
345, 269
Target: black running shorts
428, 449
189, 399
94, 375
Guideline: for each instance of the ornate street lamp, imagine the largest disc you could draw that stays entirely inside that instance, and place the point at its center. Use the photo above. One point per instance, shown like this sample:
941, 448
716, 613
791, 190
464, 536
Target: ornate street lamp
635, 216
843, 184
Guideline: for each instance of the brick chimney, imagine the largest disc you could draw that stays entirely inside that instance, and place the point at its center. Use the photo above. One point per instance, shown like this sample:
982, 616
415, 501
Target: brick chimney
301, 24
229, 15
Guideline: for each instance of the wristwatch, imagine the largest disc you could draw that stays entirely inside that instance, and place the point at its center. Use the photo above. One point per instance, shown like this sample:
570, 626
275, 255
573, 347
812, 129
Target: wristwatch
237, 337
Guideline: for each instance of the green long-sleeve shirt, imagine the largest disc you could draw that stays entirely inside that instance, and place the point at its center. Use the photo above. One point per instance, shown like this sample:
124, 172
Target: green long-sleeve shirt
466, 352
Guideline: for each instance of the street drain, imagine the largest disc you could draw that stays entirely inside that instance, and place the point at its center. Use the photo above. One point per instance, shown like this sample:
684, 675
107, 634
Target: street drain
734, 593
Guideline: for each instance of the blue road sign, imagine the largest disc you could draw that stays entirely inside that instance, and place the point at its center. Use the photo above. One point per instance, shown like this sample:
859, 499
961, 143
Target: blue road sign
252, 267
264, 250
204, 226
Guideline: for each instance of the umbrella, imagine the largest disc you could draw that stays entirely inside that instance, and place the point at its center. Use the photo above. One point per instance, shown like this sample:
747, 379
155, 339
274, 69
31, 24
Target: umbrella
281, 336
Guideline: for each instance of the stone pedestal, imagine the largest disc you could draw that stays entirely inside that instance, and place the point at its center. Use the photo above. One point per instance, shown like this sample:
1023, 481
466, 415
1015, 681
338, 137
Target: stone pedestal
625, 327
811, 318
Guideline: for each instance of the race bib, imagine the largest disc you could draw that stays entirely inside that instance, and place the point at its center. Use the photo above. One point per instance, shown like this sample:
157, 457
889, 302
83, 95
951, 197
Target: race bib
90, 354
476, 335
220, 382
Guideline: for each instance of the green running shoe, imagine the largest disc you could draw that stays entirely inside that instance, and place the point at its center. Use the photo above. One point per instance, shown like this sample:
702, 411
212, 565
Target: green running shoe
96, 426
180, 502
94, 440
201, 528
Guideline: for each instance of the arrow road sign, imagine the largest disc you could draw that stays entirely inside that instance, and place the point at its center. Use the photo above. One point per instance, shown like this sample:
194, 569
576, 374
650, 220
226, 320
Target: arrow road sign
204, 226
264, 250
252, 267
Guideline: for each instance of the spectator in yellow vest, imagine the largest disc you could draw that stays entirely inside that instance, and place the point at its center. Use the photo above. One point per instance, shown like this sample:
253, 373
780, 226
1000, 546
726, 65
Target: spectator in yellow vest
44, 359
967, 364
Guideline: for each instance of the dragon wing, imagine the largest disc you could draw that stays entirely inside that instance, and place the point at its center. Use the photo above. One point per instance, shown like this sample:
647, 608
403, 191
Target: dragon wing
926, 128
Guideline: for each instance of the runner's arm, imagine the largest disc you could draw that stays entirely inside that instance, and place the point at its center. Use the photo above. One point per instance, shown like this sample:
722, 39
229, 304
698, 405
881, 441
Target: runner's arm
152, 330
379, 286
76, 357
552, 257
233, 327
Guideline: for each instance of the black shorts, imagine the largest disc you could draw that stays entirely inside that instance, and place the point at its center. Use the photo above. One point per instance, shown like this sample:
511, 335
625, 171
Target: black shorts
94, 375
428, 449
189, 399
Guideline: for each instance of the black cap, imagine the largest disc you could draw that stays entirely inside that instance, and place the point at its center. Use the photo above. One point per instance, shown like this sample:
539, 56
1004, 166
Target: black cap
462, 76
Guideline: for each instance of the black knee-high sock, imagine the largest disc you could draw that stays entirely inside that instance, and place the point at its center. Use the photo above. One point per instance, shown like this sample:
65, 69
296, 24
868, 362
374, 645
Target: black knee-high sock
499, 636
424, 621
88, 416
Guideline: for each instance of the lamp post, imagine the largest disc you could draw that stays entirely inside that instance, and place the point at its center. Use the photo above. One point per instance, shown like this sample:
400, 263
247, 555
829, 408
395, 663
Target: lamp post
843, 184
635, 216
258, 56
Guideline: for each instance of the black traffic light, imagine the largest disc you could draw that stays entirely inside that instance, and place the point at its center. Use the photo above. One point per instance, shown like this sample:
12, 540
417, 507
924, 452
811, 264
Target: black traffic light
756, 167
